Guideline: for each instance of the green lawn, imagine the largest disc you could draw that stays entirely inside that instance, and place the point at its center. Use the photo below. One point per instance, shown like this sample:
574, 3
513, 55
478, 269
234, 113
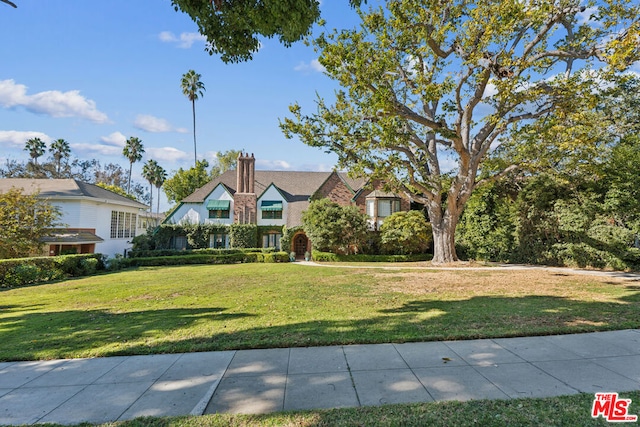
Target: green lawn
567, 411
198, 308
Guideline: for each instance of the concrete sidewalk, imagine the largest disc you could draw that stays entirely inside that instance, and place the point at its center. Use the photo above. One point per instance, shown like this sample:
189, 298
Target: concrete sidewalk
259, 381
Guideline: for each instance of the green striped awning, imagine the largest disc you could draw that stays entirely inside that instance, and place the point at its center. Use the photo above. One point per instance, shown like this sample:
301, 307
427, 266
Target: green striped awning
218, 205
267, 205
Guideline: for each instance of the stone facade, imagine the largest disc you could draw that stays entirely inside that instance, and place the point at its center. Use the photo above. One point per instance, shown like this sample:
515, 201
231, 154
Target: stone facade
245, 200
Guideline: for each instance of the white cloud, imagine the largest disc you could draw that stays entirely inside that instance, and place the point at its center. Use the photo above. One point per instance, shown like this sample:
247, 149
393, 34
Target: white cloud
115, 139
93, 149
16, 138
167, 154
272, 164
52, 103
152, 124
184, 41
309, 67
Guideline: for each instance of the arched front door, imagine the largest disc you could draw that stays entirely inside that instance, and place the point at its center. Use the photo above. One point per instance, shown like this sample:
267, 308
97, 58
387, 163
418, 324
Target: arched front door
300, 243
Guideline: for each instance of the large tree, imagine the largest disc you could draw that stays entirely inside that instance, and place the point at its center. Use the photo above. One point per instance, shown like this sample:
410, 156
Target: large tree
159, 178
24, 219
133, 150
426, 81
36, 148
148, 173
193, 89
59, 150
232, 27
184, 182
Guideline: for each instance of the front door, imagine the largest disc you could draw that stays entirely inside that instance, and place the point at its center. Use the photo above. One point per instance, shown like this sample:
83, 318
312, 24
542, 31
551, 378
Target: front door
300, 245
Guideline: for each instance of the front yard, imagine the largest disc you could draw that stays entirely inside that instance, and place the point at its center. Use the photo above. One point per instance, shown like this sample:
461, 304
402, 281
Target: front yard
199, 308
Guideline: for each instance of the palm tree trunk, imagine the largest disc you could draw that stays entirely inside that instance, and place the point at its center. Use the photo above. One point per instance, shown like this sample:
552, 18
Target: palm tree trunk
150, 198
129, 185
195, 156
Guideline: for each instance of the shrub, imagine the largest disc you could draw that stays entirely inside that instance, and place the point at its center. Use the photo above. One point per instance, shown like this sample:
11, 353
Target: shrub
243, 235
406, 233
331, 257
27, 271
335, 228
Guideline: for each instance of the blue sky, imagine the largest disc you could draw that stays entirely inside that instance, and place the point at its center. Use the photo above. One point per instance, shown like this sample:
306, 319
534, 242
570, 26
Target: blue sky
95, 73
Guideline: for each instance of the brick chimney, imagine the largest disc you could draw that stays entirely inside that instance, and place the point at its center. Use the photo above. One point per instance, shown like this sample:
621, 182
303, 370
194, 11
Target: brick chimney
245, 199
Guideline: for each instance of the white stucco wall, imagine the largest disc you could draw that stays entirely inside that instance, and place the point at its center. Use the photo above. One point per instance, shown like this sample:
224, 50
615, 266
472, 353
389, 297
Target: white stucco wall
272, 194
197, 213
219, 193
85, 213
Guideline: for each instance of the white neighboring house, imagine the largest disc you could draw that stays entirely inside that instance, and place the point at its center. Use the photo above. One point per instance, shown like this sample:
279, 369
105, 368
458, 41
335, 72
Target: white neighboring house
95, 220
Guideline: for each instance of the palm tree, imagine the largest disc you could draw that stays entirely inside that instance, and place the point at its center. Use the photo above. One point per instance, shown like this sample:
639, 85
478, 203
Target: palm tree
133, 151
59, 149
148, 173
159, 177
192, 88
36, 148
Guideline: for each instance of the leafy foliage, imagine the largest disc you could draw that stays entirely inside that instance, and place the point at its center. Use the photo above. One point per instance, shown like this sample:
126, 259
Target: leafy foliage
29, 271
406, 233
232, 27
133, 151
243, 235
24, 219
335, 228
184, 182
402, 104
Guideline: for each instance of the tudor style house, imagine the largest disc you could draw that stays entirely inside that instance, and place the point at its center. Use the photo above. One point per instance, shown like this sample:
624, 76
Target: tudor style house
94, 220
278, 198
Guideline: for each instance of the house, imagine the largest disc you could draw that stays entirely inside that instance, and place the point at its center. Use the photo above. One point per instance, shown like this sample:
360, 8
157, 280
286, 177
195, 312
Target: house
95, 220
278, 198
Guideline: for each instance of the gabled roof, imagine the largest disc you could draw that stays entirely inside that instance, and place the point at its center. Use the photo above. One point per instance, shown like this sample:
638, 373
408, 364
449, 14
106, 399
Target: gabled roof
65, 189
294, 186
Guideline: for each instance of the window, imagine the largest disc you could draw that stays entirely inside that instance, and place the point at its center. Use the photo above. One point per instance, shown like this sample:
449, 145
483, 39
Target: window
271, 209
370, 208
271, 214
219, 209
180, 242
123, 225
219, 213
271, 240
388, 207
218, 240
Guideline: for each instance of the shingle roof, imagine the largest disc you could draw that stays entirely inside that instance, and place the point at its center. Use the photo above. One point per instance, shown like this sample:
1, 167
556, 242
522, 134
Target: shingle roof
295, 186
64, 188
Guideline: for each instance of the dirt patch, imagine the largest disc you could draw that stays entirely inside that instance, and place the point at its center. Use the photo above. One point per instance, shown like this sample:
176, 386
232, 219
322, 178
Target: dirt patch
466, 283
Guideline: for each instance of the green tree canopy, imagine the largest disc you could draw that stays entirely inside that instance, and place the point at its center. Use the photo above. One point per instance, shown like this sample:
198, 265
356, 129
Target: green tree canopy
133, 151
423, 79
405, 233
59, 150
24, 219
36, 148
335, 228
225, 161
232, 27
184, 182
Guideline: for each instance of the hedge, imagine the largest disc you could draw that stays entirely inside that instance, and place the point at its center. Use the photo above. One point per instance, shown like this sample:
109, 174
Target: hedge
27, 271
203, 258
331, 257
181, 252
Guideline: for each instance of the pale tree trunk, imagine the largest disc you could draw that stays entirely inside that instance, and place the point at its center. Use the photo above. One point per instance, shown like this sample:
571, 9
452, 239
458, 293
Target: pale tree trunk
444, 220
